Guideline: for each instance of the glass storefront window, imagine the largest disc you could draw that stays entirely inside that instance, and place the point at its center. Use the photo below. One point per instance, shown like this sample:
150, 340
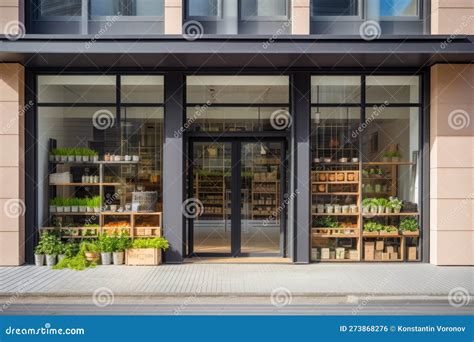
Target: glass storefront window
365, 173
335, 89
393, 89
147, 8
76, 89
94, 161
142, 89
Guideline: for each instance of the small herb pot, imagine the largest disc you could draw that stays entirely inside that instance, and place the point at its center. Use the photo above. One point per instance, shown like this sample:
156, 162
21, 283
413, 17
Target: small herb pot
95, 158
330, 209
388, 210
106, 258
385, 159
74, 209
128, 158
67, 209
82, 209
70, 158
90, 209
337, 209
118, 258
64, 159
78, 158
39, 259
52, 208
381, 209
51, 260
61, 257
85, 158
396, 210
395, 159
57, 158
320, 209
353, 209
345, 209
59, 209
373, 210
136, 158
96, 210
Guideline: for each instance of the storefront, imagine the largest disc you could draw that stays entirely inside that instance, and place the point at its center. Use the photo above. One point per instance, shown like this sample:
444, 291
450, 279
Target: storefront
101, 143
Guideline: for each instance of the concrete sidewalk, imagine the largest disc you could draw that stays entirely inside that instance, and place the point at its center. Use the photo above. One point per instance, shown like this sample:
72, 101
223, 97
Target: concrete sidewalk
242, 280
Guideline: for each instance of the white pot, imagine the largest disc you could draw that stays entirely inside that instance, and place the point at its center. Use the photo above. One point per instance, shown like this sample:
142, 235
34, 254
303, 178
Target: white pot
373, 210
61, 257
95, 158
78, 158
320, 209
337, 209
39, 259
395, 159
96, 210
385, 159
113, 207
353, 209
345, 209
51, 157
59, 209
381, 209
67, 209
136, 158
397, 210
50, 260
90, 209
330, 209
64, 158
52, 208
85, 158
70, 158
57, 158
118, 258
74, 209
96, 179
388, 210
106, 258
117, 158
82, 209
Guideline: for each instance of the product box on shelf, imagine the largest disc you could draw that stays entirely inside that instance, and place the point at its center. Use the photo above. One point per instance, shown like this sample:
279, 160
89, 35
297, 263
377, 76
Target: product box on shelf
369, 249
379, 245
385, 256
325, 253
393, 256
353, 254
378, 255
411, 253
143, 256
340, 253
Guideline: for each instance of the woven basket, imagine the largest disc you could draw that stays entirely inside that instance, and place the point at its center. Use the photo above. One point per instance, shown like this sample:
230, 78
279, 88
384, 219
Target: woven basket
144, 201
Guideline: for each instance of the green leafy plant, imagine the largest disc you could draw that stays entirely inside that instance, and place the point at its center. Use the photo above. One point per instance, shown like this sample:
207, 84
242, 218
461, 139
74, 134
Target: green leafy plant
326, 222
395, 204
372, 226
390, 229
409, 225
105, 243
121, 241
49, 244
158, 242
70, 249
381, 202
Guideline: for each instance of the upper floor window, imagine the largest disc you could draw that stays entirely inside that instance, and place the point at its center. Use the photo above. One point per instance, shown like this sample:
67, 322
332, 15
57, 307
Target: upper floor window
259, 9
60, 8
382, 8
335, 8
142, 8
204, 8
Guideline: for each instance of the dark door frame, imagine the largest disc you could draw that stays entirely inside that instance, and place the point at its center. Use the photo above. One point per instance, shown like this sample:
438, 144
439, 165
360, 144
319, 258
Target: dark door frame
236, 141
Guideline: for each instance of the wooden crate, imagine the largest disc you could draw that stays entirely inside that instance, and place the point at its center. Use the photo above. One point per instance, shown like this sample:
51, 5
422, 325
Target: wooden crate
143, 256
412, 253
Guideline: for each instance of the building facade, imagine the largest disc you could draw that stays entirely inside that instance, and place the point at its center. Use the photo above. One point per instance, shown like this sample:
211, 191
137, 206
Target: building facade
313, 130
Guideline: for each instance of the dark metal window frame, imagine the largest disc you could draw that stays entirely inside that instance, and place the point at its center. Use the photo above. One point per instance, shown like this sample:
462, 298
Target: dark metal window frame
35, 8
217, 17
358, 16
423, 139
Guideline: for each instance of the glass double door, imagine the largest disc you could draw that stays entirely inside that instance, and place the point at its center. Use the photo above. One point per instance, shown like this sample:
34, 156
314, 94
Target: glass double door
237, 190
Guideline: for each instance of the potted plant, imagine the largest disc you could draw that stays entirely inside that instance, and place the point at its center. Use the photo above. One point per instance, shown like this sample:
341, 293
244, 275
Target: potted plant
82, 203
74, 202
121, 243
90, 205
39, 254
396, 157
329, 208
59, 205
95, 203
386, 157
372, 228
345, 209
70, 154
367, 204
77, 154
95, 156
409, 226
106, 246
337, 209
382, 203
53, 203
61, 252
91, 251
320, 208
50, 246
67, 205
146, 251
389, 230
395, 204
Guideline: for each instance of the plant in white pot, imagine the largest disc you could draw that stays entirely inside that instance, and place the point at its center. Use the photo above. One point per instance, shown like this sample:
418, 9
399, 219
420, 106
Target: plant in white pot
106, 246
39, 254
67, 205
396, 156
53, 203
59, 202
395, 204
70, 154
382, 203
51, 247
121, 243
82, 203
